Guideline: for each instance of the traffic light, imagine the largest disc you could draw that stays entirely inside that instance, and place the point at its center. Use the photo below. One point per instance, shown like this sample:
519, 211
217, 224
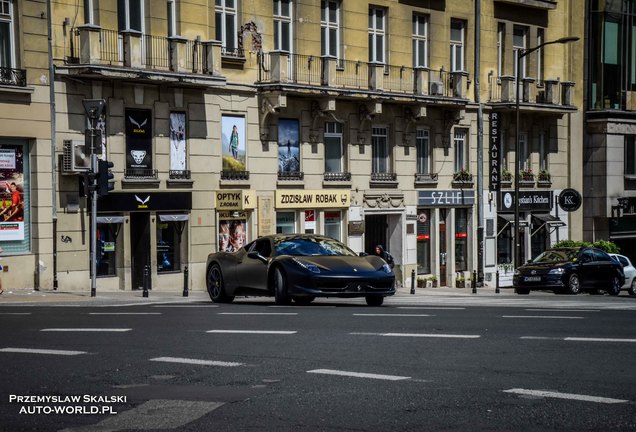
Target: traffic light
105, 178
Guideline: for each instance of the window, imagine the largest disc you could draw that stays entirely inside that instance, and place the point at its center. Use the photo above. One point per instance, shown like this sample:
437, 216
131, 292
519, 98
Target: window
333, 147
7, 37
544, 146
330, 38
423, 148
630, 155
130, 15
461, 150
501, 37
377, 35
524, 152
90, 12
169, 245
226, 26
519, 44
540, 40
15, 197
380, 150
457, 36
283, 25
420, 40
423, 241
107, 248
333, 224
285, 222
172, 18
461, 239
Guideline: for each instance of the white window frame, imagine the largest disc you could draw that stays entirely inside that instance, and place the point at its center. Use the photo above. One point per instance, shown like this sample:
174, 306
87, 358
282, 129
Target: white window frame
460, 144
9, 17
458, 46
524, 152
420, 39
89, 12
126, 5
540, 58
327, 26
280, 21
423, 150
501, 42
377, 35
222, 8
334, 130
172, 18
380, 144
523, 71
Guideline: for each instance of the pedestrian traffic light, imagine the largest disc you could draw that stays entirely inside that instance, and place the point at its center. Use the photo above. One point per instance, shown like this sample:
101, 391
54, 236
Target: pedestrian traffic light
105, 178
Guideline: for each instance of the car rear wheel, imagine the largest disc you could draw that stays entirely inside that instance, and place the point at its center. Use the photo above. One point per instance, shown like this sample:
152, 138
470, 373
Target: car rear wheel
216, 287
280, 288
374, 300
303, 300
632, 289
574, 284
615, 289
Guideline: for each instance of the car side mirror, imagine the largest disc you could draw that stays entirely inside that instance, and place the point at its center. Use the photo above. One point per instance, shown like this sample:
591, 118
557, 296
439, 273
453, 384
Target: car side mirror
258, 256
363, 254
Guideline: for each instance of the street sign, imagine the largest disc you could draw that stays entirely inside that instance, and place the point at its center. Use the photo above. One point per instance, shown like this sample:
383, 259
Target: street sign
570, 200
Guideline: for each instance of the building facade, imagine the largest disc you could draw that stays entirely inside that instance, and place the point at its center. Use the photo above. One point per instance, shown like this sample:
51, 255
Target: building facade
229, 120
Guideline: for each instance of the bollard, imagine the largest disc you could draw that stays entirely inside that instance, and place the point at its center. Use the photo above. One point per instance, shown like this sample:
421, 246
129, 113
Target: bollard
497, 282
413, 281
185, 281
146, 279
474, 282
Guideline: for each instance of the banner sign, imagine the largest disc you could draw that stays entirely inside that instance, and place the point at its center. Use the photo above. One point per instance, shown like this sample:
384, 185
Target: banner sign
337, 198
234, 200
138, 139
12, 193
528, 201
494, 167
445, 198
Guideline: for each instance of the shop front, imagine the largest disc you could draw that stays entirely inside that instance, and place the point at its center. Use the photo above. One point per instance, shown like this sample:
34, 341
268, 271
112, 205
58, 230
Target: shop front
235, 218
312, 211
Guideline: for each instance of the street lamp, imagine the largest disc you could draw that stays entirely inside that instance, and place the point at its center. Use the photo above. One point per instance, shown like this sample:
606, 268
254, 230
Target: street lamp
521, 53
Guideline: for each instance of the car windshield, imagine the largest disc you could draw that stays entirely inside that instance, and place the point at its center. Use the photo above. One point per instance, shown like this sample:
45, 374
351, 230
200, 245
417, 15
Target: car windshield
304, 246
556, 256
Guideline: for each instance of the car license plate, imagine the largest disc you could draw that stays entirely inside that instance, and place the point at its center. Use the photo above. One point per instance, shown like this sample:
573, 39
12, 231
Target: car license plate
532, 278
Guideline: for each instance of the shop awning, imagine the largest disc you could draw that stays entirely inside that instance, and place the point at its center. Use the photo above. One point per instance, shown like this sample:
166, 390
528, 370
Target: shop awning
174, 217
510, 220
110, 219
547, 220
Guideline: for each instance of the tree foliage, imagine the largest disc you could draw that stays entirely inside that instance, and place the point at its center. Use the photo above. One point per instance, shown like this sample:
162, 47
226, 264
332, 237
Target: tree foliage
604, 245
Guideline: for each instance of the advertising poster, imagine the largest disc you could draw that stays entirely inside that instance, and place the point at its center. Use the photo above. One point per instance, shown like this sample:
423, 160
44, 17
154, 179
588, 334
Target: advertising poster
232, 231
288, 146
233, 143
178, 141
11, 194
138, 139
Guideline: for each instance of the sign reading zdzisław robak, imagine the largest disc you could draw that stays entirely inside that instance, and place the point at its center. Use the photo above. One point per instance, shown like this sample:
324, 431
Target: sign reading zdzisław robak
302, 198
494, 167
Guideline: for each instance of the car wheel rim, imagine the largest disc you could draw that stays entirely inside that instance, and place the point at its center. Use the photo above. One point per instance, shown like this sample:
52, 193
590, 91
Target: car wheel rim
574, 284
617, 286
215, 282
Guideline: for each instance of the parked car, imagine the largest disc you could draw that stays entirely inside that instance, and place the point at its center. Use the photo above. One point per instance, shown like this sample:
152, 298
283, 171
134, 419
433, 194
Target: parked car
298, 267
629, 270
570, 270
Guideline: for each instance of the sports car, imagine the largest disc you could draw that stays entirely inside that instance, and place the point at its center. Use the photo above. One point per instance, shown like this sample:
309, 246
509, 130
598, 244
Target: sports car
298, 267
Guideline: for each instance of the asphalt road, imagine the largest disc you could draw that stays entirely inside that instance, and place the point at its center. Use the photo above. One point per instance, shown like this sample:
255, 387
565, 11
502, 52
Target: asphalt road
519, 363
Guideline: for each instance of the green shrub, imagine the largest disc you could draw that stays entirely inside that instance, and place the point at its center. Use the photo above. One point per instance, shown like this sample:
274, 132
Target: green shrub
605, 245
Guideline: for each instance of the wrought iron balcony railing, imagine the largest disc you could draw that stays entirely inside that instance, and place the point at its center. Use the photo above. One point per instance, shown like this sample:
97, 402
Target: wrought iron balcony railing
235, 175
292, 175
383, 177
179, 174
337, 176
141, 174
12, 77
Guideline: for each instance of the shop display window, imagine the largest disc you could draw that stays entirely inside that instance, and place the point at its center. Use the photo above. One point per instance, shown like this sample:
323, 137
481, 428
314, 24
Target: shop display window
106, 250
423, 241
333, 224
285, 222
168, 246
461, 239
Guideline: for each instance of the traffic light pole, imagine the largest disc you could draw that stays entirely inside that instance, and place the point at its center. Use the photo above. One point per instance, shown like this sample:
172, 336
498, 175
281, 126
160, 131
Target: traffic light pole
93, 219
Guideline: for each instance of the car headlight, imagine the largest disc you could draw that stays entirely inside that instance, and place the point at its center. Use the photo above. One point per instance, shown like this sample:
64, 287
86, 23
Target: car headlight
385, 268
306, 265
558, 270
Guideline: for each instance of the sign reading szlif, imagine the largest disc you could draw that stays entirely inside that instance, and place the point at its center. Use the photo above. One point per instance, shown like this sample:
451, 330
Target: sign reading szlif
570, 200
494, 167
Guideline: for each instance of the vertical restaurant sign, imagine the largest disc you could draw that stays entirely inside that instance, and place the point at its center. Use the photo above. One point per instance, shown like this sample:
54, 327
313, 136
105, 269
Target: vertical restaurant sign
138, 139
11, 194
494, 167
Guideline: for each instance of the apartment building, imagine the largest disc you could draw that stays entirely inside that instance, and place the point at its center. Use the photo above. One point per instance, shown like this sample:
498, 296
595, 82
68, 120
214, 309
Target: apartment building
229, 120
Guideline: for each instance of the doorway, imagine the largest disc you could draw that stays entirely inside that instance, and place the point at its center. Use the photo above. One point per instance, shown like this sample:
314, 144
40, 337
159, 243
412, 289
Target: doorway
140, 247
375, 227
442, 247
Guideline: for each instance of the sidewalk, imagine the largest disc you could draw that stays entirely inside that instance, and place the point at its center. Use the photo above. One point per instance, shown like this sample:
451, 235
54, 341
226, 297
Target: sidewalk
45, 296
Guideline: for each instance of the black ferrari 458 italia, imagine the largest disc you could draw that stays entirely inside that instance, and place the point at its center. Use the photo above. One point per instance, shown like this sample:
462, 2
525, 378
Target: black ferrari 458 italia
298, 267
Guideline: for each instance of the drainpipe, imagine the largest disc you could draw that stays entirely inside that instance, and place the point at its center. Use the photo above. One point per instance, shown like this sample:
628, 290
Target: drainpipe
480, 149
53, 142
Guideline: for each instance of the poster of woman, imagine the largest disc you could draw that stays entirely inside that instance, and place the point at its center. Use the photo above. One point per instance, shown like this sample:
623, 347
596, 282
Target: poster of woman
233, 143
232, 231
11, 194
288, 146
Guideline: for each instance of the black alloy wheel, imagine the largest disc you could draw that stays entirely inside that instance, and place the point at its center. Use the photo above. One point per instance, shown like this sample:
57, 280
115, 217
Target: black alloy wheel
216, 287
615, 289
574, 284
280, 288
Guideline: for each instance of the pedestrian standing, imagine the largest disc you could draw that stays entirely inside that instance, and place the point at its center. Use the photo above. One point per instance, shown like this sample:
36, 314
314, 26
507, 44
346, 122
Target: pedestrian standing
386, 256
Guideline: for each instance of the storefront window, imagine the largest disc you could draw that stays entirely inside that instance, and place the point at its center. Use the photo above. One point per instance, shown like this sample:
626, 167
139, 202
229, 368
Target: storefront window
168, 247
423, 241
285, 223
504, 241
333, 224
461, 239
232, 231
106, 258
15, 200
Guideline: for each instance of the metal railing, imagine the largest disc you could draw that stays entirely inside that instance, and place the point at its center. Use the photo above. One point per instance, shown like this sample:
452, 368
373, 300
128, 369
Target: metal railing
235, 175
291, 175
306, 69
352, 74
383, 177
157, 52
399, 79
337, 176
141, 174
13, 77
179, 174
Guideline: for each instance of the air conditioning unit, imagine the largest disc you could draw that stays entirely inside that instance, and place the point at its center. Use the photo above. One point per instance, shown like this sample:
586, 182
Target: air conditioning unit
435, 88
74, 158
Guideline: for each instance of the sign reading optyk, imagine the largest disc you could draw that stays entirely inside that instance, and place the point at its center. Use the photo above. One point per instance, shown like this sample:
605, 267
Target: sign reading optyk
494, 167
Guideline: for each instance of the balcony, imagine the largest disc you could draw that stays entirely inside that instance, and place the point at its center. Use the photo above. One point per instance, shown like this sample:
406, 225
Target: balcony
462, 179
549, 95
140, 177
291, 176
235, 175
13, 77
426, 179
384, 180
94, 51
179, 179
336, 179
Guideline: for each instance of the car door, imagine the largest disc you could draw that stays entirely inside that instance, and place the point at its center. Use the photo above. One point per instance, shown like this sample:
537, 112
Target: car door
606, 269
252, 271
587, 269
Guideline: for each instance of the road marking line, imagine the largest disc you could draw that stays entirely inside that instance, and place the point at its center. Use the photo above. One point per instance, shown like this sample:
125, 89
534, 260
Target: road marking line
583, 339
429, 335
540, 338
280, 332
392, 315
358, 374
195, 361
258, 313
186, 306
431, 308
86, 330
15, 313
42, 351
124, 313
562, 310
558, 395
542, 316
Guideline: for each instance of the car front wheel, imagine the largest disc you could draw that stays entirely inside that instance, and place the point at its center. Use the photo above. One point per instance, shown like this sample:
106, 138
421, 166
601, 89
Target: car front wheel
574, 284
615, 289
632, 289
216, 287
280, 288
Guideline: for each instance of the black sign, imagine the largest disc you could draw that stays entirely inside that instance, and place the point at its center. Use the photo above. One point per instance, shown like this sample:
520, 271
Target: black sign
528, 201
138, 139
494, 167
570, 200
444, 198
144, 201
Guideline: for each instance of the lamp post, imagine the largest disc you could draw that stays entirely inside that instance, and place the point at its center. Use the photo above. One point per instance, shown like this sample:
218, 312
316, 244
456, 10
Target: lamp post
521, 53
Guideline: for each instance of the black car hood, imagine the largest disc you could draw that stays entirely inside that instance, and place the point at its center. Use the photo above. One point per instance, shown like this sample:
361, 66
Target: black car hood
337, 263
